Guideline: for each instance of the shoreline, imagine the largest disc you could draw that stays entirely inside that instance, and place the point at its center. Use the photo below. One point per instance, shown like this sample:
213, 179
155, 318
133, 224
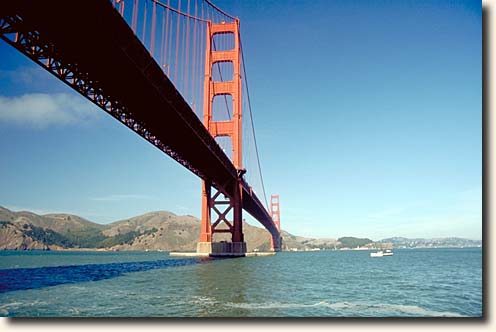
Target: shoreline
186, 253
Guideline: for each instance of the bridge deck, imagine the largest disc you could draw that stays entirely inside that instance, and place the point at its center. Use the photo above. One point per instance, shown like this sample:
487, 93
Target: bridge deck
92, 37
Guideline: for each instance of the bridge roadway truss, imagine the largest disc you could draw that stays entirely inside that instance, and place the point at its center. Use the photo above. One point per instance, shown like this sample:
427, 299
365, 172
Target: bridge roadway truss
90, 47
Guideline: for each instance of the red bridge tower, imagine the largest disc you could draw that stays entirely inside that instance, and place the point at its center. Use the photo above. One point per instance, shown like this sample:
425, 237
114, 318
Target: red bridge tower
275, 213
222, 205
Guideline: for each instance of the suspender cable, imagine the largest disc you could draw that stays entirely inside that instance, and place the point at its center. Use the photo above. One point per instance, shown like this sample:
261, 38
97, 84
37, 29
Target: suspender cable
183, 60
186, 91
154, 22
144, 24
178, 10
162, 41
134, 21
177, 44
166, 31
169, 47
219, 10
194, 60
122, 8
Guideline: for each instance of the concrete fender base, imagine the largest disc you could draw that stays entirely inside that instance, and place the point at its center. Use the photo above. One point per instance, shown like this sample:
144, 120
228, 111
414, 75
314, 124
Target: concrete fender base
222, 249
224, 255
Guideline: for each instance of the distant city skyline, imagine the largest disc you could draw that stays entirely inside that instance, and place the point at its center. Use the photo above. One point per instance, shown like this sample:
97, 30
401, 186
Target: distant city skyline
368, 120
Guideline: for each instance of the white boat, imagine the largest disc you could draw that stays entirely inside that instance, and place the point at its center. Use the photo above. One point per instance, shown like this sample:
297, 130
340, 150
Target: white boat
377, 254
381, 253
388, 253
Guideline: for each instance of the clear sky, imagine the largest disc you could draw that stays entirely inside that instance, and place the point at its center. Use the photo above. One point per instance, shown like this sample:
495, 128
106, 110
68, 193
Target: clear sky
368, 120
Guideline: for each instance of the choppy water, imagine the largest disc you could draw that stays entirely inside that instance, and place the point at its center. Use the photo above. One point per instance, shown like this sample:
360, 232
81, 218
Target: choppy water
412, 283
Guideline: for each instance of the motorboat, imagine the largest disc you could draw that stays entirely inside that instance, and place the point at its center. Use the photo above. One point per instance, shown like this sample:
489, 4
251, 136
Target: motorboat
381, 253
388, 252
377, 254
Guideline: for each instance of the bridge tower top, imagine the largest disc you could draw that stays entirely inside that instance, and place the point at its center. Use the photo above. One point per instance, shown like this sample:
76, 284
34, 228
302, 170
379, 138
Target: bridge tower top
232, 127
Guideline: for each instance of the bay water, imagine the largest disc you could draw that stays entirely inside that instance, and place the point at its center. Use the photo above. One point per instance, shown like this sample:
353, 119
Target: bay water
412, 283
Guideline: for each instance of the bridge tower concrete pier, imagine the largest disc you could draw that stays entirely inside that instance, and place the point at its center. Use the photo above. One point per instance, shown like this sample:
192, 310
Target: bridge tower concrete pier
227, 216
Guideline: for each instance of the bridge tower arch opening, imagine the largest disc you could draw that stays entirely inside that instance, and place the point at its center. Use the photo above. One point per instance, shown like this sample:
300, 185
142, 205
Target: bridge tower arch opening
222, 213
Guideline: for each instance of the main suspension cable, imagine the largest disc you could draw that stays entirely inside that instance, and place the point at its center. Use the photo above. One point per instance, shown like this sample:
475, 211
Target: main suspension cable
252, 123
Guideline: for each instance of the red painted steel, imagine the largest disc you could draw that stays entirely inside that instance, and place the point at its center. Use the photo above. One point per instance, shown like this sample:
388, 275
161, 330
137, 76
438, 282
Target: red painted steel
230, 128
275, 213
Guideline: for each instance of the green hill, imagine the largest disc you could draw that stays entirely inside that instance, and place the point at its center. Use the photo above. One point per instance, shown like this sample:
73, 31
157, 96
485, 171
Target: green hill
353, 242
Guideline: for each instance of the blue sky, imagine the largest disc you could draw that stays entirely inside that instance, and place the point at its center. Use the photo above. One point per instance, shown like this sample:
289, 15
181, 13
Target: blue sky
368, 119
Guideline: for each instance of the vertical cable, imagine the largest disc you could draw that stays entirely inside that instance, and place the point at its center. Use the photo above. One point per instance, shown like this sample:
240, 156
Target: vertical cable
166, 32
177, 43
208, 15
201, 68
144, 24
162, 42
182, 55
187, 55
154, 22
168, 53
122, 8
134, 20
194, 60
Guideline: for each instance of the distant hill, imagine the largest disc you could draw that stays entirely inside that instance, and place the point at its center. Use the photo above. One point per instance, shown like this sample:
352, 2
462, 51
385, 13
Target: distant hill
164, 230
447, 242
353, 242
159, 230
27, 230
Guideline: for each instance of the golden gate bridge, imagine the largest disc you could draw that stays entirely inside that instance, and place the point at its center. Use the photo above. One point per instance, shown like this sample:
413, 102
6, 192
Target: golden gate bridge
173, 71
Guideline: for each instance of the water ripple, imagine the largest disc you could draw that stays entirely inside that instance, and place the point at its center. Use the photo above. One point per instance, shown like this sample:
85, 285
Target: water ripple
350, 308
